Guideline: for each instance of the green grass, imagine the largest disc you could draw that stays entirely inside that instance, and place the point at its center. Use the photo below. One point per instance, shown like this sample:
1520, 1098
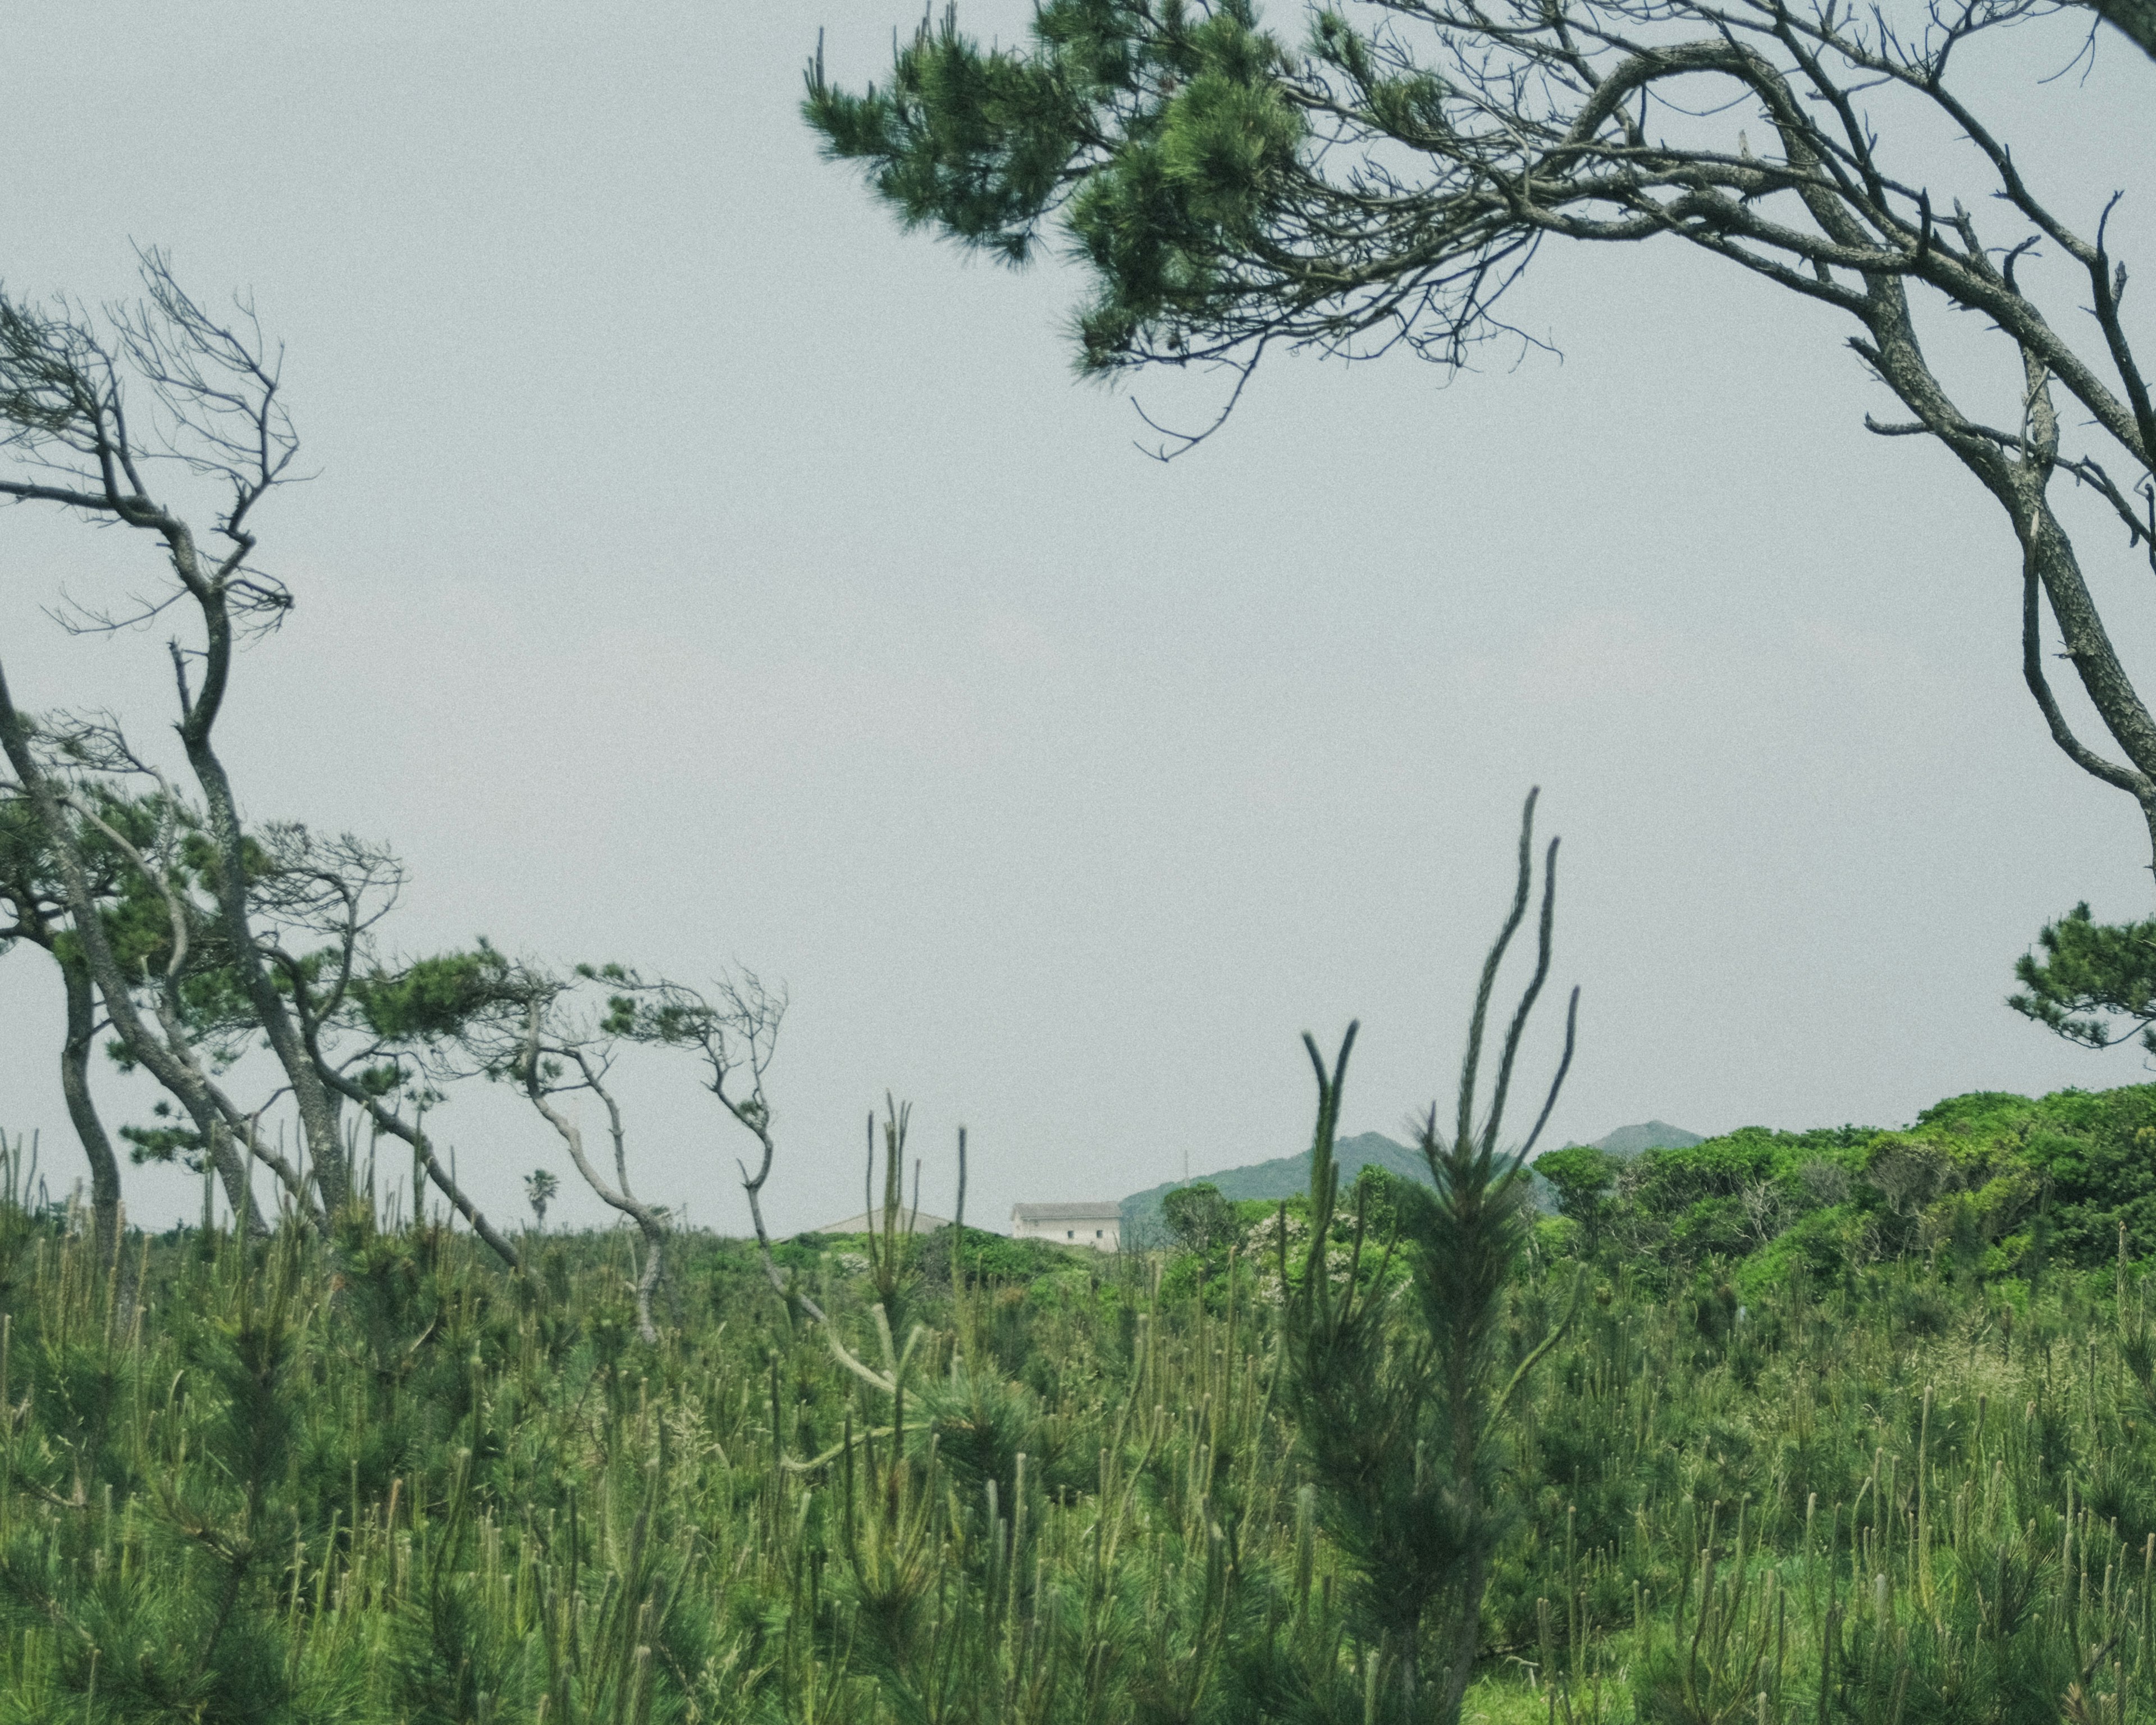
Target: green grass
378, 1480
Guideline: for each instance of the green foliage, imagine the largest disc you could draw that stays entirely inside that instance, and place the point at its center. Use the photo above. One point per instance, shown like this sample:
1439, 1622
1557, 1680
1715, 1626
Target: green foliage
1870, 1465
140, 923
985, 1258
2091, 975
1402, 1415
380, 1480
976, 141
1198, 1218
1162, 136
434, 999
1363, 1399
539, 1187
1983, 1185
1378, 1199
1583, 1178
168, 1141
1280, 1177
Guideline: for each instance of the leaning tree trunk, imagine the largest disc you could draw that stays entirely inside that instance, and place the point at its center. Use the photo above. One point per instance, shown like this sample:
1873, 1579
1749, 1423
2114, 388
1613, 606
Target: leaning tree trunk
2019, 478
233, 1170
315, 1101
82, 1110
2135, 18
651, 1220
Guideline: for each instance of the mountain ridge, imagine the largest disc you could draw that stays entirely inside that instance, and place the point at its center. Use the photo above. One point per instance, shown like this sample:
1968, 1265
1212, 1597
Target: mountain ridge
1285, 1176
1648, 1135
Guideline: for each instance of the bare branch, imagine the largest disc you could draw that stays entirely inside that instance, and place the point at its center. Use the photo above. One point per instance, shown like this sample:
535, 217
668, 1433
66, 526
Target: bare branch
2125, 778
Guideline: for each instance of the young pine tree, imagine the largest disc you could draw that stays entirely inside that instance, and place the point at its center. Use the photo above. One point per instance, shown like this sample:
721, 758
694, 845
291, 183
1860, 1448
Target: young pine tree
1402, 1413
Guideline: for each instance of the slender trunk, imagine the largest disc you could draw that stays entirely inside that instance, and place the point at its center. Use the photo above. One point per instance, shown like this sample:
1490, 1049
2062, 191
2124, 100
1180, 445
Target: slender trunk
790, 1298
1463, 1634
655, 1261
173, 1067
237, 1179
316, 1103
648, 1222
651, 1222
82, 1110
2088, 643
1466, 1642
423, 1150
2019, 483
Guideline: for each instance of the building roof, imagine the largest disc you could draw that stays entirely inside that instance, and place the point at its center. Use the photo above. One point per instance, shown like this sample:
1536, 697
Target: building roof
1067, 1212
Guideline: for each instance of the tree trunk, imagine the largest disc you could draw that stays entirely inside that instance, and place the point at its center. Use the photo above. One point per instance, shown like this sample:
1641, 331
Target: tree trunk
422, 1151
2020, 484
646, 1281
2135, 18
82, 1110
231, 1169
316, 1103
1463, 1413
648, 1222
1466, 1640
172, 1065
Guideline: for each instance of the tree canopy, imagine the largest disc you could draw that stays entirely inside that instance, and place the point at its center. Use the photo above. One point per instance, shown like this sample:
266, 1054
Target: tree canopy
1380, 181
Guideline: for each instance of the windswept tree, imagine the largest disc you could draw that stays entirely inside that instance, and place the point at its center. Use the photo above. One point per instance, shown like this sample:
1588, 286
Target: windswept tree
315, 906
366, 1020
553, 1036
139, 854
564, 1048
1371, 178
100, 415
539, 1187
730, 1031
33, 905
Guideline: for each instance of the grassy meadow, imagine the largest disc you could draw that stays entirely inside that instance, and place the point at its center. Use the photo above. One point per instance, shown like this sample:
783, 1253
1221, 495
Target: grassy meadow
1911, 1478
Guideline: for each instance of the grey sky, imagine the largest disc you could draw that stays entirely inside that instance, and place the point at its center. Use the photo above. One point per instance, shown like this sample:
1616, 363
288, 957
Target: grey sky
700, 569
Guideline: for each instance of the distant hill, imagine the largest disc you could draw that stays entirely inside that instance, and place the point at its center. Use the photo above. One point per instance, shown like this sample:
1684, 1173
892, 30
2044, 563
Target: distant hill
1286, 1176
1651, 1135
1283, 1177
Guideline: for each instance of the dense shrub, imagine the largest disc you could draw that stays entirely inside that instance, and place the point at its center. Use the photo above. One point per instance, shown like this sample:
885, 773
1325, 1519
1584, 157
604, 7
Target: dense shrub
1962, 1187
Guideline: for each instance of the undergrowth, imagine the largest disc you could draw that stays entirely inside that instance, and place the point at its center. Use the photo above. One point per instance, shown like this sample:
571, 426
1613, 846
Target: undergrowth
379, 1479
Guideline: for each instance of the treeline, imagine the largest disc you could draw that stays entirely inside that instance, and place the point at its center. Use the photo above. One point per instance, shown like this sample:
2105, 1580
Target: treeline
250, 967
1986, 1186
1396, 1452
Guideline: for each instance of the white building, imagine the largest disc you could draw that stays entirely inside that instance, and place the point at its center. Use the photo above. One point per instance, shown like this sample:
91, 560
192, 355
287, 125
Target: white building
1097, 1225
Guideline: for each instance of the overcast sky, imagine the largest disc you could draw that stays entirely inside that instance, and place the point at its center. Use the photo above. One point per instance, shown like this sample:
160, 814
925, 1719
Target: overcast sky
700, 570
